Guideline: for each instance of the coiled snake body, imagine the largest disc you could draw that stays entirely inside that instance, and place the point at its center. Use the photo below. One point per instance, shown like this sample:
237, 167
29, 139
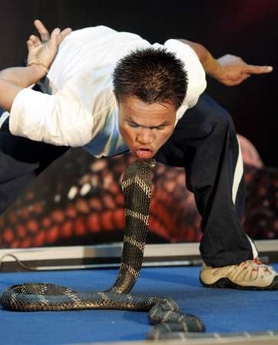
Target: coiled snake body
136, 186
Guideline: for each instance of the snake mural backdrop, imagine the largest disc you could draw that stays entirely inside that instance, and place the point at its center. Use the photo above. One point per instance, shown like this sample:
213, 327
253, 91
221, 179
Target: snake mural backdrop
78, 201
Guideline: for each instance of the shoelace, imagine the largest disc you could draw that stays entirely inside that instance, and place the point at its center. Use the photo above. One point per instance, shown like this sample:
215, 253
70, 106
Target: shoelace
259, 264
247, 270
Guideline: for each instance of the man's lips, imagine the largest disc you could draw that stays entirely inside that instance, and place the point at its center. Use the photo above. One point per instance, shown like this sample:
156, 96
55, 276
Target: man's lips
144, 153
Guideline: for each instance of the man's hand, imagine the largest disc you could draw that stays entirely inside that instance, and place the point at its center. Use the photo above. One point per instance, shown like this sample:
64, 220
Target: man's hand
42, 50
232, 70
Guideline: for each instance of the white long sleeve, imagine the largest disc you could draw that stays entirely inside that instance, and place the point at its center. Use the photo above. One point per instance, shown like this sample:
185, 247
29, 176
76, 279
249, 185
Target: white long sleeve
81, 109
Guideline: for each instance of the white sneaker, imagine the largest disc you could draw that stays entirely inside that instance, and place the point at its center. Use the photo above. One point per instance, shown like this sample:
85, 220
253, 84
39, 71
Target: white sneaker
249, 275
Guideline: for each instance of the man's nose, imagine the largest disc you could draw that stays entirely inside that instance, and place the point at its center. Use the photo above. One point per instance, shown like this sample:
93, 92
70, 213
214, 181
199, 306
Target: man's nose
145, 136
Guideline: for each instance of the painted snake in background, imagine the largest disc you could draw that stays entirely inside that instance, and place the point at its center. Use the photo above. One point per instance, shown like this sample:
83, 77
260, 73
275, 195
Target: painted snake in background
163, 312
78, 201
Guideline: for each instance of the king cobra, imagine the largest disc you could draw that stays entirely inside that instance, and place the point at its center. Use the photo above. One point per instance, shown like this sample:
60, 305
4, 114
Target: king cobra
136, 186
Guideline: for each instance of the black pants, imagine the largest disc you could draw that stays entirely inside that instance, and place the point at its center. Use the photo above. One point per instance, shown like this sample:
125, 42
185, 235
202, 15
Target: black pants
204, 143
21, 160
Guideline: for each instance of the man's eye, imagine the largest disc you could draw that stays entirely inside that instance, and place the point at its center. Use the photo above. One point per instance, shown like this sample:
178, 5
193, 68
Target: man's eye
159, 128
133, 125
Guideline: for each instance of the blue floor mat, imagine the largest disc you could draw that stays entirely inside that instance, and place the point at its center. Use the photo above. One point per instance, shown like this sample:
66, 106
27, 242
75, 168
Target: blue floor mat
222, 310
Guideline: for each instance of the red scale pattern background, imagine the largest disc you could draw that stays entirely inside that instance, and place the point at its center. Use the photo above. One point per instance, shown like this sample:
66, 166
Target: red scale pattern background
78, 201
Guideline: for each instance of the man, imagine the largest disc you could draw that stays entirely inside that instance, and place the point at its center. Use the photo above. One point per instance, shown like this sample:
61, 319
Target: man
112, 92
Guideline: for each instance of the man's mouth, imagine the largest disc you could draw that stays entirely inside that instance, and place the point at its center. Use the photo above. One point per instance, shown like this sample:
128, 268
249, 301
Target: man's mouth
143, 153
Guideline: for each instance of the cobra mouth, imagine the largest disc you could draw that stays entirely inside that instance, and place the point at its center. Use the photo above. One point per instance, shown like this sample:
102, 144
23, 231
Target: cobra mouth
144, 153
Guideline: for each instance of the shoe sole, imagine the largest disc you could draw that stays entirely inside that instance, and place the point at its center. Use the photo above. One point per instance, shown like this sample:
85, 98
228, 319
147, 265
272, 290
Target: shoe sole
225, 283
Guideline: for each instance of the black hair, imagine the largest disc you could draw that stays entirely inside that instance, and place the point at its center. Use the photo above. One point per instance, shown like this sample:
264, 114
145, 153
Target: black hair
151, 74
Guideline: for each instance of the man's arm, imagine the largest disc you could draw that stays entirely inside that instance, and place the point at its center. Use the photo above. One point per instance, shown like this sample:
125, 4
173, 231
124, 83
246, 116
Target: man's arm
13, 80
229, 69
41, 53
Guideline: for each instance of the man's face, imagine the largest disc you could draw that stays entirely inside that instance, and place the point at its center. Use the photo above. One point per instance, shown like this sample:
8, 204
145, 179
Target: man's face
145, 127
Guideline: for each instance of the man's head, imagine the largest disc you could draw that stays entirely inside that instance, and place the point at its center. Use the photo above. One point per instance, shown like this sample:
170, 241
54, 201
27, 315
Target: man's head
150, 85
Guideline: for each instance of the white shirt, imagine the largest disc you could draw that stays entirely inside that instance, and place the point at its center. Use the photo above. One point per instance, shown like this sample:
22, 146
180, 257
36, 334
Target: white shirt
81, 109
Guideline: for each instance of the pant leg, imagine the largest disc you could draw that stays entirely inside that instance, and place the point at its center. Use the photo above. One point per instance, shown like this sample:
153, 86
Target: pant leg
21, 160
205, 144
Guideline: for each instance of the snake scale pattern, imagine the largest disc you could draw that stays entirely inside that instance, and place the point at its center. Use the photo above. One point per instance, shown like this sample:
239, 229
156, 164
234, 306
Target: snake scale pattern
136, 186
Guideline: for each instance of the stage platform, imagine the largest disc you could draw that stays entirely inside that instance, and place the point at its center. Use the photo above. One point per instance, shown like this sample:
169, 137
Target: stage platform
108, 256
231, 316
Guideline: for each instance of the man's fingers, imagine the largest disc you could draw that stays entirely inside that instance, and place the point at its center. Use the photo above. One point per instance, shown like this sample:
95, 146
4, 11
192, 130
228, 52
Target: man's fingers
35, 40
251, 69
57, 36
42, 30
30, 44
64, 33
